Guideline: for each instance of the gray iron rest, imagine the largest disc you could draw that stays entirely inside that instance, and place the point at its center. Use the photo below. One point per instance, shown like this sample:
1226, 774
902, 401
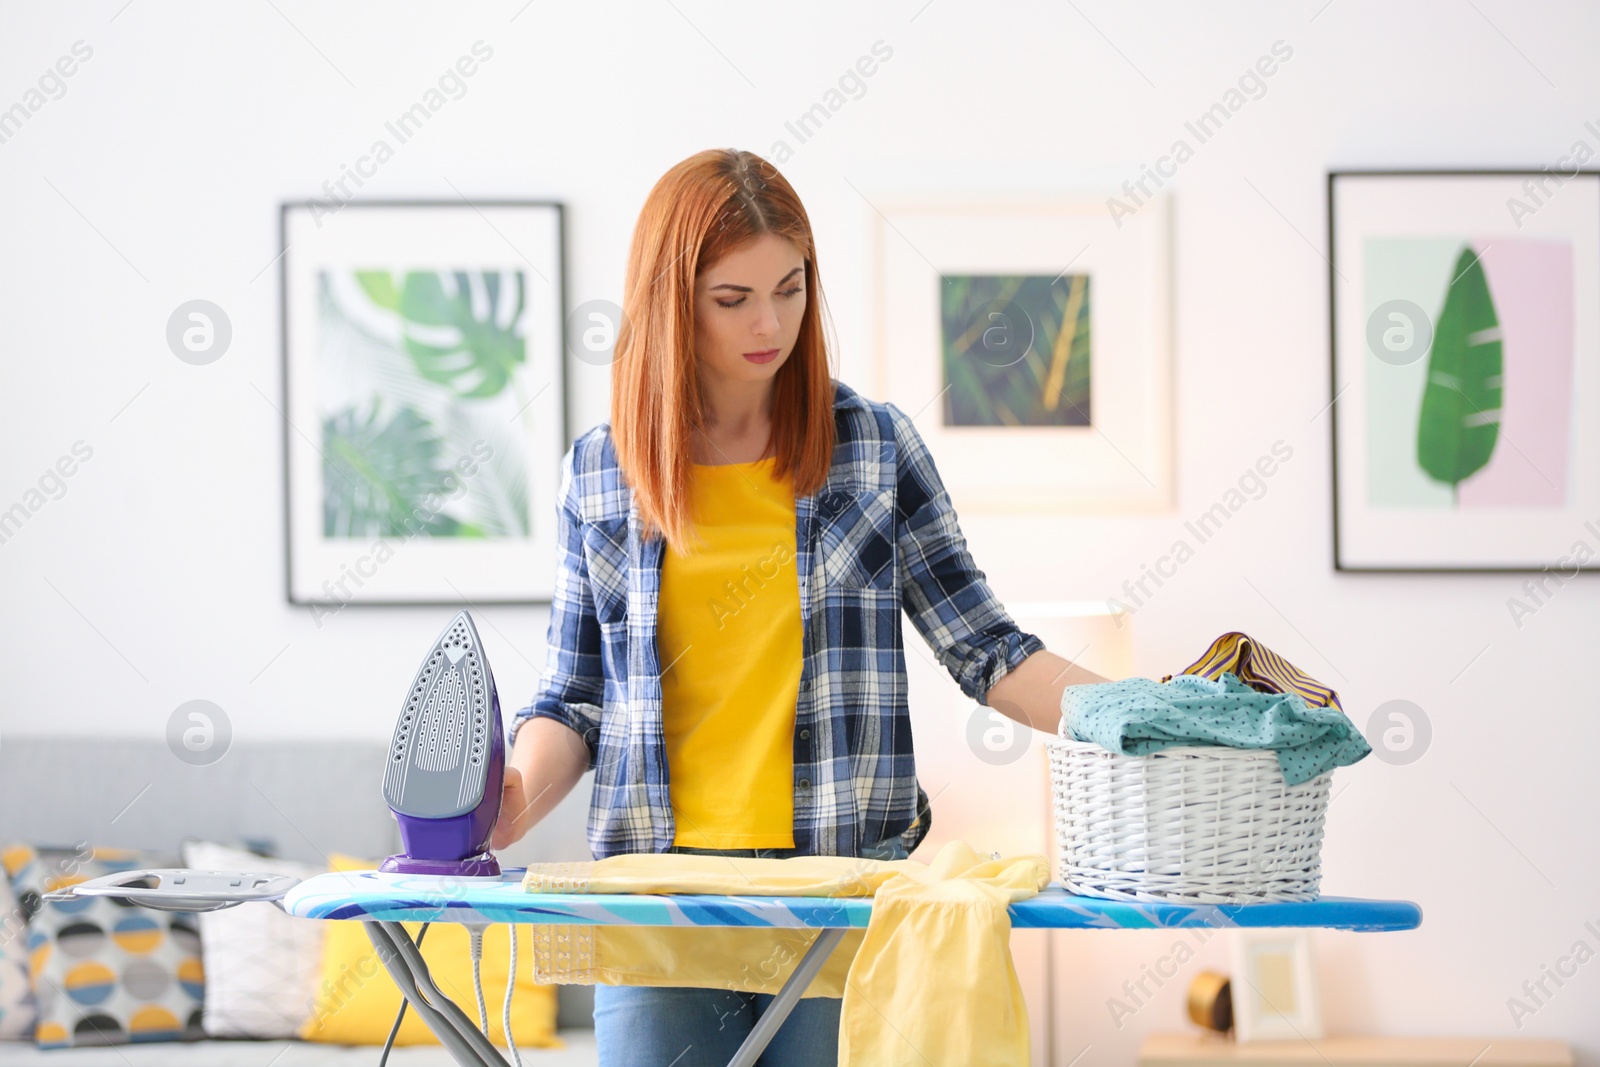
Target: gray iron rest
182, 889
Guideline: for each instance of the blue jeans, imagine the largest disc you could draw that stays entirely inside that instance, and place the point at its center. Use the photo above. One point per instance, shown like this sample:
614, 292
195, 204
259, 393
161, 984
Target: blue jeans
693, 1026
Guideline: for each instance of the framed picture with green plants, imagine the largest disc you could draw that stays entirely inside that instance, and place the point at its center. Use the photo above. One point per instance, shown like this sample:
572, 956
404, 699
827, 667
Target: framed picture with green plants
1030, 339
423, 400
1464, 399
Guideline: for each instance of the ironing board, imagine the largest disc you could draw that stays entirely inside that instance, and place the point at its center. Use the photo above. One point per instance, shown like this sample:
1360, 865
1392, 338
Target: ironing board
385, 901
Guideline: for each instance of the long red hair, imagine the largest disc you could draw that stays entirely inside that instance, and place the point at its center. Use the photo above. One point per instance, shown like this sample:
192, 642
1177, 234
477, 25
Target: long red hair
701, 209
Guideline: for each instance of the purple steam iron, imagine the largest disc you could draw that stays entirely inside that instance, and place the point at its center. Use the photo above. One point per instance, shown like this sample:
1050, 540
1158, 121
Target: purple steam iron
446, 766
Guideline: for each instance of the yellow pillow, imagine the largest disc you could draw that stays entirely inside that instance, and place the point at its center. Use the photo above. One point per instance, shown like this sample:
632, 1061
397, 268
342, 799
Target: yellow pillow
356, 1000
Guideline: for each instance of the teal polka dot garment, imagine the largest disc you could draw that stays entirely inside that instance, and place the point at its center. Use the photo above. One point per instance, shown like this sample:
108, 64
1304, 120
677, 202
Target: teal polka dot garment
1137, 716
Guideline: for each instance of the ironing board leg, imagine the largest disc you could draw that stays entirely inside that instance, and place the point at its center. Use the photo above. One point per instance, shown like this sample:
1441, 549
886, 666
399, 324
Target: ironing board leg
449, 1023
787, 997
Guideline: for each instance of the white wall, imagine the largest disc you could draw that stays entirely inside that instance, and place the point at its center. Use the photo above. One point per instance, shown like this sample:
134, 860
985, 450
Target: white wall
158, 577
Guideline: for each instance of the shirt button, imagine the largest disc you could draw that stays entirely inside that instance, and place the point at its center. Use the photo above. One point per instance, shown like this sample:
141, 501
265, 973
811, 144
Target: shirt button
805, 735
805, 783
805, 683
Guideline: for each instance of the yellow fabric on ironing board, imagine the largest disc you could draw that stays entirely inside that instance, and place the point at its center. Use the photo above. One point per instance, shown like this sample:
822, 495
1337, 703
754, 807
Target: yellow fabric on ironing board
947, 918
1260, 668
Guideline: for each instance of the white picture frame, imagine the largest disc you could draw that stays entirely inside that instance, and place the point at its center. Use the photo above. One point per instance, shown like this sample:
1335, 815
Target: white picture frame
1121, 458
397, 359
1274, 986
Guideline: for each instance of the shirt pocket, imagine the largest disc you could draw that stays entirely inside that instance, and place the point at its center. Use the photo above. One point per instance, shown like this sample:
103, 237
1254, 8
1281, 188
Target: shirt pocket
857, 543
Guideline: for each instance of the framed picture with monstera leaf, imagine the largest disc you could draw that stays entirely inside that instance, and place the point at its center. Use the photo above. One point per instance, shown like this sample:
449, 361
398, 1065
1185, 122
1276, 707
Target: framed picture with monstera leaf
1465, 396
424, 400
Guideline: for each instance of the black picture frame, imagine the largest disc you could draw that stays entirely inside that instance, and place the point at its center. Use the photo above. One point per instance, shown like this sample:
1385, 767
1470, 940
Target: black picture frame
538, 586
1342, 508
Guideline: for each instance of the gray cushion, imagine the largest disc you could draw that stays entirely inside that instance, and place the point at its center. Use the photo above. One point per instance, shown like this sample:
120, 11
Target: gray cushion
309, 798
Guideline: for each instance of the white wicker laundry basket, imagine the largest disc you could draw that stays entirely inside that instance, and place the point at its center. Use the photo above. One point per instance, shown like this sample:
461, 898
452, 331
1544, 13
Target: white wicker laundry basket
1203, 824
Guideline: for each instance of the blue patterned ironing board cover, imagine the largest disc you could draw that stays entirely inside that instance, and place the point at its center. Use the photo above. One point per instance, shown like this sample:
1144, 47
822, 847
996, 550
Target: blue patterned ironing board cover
428, 898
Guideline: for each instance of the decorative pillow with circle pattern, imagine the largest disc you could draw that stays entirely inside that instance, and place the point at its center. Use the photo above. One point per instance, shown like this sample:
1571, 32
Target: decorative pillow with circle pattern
16, 992
105, 972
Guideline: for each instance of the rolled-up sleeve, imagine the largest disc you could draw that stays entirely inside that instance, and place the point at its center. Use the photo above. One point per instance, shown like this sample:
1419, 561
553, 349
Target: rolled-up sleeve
573, 684
947, 597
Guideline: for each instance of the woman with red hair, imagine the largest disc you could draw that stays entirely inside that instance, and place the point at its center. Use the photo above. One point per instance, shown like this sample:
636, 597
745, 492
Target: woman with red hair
737, 545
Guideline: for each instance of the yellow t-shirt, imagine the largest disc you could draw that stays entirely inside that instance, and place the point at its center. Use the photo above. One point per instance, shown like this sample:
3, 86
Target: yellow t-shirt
730, 640
948, 919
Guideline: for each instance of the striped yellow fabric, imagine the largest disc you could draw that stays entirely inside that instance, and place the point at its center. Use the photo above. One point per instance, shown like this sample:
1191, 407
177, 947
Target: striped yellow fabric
1260, 668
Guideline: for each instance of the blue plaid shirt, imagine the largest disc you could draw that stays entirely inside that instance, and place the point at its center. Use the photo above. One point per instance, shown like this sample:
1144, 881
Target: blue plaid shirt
880, 536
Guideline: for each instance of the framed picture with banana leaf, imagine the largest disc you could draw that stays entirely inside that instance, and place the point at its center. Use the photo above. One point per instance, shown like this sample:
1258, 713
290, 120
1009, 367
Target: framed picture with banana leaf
1030, 339
1465, 386
424, 401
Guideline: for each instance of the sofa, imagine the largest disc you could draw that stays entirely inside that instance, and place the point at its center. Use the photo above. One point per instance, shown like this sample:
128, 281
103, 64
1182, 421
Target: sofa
303, 799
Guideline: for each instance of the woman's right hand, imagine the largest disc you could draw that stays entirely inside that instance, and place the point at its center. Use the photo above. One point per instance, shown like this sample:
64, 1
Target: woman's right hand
544, 764
515, 808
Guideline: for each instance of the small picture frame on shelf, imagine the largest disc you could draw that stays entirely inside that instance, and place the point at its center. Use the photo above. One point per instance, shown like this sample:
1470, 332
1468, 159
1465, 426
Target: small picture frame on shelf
1274, 986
